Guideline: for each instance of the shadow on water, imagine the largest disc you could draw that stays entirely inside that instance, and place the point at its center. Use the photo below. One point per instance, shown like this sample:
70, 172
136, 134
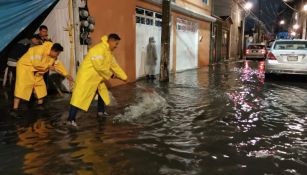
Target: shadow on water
223, 119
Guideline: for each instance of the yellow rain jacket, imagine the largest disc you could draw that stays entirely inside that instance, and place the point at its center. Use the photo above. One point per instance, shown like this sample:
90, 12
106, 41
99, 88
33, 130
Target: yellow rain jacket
30, 69
98, 66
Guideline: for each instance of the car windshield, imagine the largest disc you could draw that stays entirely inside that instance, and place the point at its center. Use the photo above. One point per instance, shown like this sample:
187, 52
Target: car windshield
291, 45
256, 47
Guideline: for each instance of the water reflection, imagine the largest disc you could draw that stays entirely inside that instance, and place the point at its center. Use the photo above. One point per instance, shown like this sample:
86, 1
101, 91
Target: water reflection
224, 119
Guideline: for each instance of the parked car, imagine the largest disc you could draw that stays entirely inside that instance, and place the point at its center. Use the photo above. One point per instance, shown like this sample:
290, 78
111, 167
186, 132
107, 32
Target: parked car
287, 57
269, 45
256, 51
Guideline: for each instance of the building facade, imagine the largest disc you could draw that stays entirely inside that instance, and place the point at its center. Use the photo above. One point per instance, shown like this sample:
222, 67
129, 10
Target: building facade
137, 20
227, 31
235, 42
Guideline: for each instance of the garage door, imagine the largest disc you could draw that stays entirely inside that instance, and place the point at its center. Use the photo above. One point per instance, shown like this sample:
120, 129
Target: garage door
186, 45
148, 24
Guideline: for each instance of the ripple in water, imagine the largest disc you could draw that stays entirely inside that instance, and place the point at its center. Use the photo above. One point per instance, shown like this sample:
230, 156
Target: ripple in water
147, 103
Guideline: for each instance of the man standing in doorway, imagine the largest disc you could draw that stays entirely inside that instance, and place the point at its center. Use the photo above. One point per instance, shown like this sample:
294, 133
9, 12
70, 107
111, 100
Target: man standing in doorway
151, 58
99, 65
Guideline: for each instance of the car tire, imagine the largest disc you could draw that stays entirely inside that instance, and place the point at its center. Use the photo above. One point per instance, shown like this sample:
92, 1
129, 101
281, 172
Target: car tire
267, 75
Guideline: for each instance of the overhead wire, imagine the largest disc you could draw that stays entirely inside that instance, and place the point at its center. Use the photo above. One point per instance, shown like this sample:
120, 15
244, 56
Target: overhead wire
290, 6
252, 15
269, 15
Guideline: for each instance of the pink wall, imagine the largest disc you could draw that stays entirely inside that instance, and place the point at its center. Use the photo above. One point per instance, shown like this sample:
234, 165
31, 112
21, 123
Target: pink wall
116, 17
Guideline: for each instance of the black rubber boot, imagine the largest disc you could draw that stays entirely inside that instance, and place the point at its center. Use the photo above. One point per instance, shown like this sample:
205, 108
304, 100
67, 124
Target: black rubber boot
40, 107
147, 77
102, 114
15, 113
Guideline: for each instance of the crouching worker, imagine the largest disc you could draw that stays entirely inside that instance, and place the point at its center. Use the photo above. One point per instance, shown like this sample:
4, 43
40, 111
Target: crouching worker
99, 65
30, 70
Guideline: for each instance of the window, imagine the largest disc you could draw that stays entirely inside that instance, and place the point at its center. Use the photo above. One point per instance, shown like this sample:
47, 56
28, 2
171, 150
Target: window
256, 47
158, 15
206, 2
158, 23
291, 45
149, 13
139, 11
140, 20
186, 26
148, 17
149, 21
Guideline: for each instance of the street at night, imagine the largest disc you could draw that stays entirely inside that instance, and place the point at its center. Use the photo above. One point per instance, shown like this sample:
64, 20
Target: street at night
153, 87
224, 119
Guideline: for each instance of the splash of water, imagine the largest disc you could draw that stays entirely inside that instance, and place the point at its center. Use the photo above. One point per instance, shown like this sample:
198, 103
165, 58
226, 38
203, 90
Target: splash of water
113, 100
147, 103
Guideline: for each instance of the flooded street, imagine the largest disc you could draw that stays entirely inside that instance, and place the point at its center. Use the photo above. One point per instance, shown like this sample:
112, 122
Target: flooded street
225, 119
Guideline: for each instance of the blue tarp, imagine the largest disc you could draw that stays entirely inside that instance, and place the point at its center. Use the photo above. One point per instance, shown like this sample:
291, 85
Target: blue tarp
16, 15
282, 35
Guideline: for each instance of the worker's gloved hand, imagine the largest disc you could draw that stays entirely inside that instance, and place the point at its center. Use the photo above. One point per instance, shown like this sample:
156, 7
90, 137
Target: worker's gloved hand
70, 78
52, 68
71, 82
39, 73
115, 77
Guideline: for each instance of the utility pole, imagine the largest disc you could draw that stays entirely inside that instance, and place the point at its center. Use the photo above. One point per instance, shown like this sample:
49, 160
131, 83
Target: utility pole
165, 40
243, 36
259, 28
305, 21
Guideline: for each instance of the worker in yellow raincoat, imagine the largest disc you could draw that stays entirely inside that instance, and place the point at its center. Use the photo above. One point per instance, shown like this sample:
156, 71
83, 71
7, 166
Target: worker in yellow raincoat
30, 70
99, 65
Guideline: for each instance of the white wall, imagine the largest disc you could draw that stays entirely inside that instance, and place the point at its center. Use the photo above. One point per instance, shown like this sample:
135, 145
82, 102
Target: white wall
186, 45
56, 22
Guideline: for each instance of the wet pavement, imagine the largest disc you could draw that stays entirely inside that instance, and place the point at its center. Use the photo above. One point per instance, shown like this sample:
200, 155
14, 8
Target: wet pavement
224, 119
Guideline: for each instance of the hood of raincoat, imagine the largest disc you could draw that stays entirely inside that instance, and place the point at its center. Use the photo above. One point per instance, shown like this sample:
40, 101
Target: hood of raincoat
152, 40
104, 41
47, 47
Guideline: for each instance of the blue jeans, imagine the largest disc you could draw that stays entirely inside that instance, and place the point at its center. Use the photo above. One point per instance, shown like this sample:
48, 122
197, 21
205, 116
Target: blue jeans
74, 110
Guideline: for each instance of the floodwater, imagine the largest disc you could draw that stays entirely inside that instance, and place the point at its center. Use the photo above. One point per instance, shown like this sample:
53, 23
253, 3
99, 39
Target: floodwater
224, 119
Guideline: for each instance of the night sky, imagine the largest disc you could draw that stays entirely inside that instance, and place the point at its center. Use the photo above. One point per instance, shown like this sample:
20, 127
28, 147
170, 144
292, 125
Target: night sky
270, 12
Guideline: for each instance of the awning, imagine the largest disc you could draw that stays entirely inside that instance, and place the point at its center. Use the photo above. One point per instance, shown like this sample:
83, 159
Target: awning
16, 15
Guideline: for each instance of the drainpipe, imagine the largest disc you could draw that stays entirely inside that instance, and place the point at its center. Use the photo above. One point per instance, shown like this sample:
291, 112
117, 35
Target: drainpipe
70, 30
211, 35
165, 40
79, 50
243, 36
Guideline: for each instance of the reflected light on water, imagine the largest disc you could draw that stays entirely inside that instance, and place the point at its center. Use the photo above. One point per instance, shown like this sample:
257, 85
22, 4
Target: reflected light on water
221, 120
